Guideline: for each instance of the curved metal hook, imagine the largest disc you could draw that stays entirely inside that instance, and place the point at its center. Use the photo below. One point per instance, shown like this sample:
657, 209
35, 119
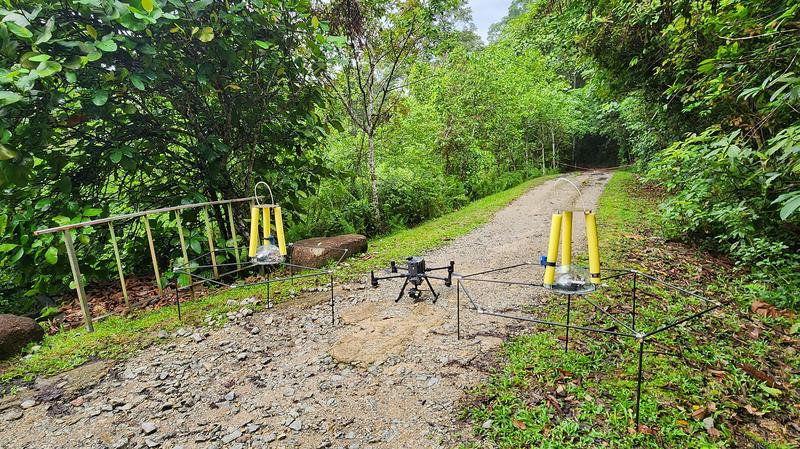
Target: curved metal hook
255, 192
580, 197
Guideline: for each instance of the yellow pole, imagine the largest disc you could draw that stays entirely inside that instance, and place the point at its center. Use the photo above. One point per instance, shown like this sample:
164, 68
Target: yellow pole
566, 238
266, 226
279, 231
552, 251
253, 231
594, 247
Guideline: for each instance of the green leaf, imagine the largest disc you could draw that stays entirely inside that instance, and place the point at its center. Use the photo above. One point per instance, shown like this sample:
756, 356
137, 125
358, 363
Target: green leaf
795, 328
107, 45
94, 56
92, 212
39, 58
73, 62
6, 247
314, 21
116, 156
19, 30
47, 68
100, 97
790, 207
18, 255
6, 153
47, 33
137, 82
43, 204
206, 34
771, 391
72, 78
91, 32
8, 97
262, 44
51, 256
148, 5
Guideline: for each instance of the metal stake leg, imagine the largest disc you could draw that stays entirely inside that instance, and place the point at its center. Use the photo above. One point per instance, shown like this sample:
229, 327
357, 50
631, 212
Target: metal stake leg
269, 300
458, 310
633, 313
333, 313
639, 383
569, 307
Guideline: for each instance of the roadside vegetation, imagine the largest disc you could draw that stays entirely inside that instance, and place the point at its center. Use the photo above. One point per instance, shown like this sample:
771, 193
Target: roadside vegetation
728, 379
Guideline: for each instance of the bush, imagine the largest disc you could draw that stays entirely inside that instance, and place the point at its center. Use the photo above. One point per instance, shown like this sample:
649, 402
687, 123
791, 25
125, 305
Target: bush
725, 191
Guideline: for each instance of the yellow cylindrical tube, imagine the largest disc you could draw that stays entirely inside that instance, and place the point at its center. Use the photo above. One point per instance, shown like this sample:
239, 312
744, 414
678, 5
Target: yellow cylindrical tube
552, 251
594, 247
279, 231
566, 238
266, 228
253, 231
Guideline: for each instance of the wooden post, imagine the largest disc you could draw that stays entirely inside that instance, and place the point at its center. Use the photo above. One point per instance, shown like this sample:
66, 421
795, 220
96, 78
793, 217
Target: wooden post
119, 265
210, 235
183, 251
233, 236
153, 254
76, 276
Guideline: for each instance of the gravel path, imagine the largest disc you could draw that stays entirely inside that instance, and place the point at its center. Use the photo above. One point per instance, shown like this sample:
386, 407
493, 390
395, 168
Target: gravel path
388, 375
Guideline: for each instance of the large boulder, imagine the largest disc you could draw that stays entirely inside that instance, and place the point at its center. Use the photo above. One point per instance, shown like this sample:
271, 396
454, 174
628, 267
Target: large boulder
318, 251
16, 332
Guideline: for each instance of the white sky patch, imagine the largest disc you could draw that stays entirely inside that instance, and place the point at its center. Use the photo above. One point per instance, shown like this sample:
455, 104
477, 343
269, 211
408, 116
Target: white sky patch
487, 12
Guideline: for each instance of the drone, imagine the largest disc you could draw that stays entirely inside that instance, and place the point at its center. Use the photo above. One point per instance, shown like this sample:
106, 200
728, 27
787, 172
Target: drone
415, 272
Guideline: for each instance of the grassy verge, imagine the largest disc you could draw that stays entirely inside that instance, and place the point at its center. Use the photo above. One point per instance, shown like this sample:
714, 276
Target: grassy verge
727, 380
119, 337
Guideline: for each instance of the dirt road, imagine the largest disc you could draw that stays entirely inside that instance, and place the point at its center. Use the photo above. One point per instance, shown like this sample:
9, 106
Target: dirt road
388, 375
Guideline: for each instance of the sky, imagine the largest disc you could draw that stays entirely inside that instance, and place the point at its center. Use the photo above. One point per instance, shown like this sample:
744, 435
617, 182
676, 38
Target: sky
487, 12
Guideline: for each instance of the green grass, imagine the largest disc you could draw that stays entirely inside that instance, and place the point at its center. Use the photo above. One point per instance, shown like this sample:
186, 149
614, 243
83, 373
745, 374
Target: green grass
591, 388
118, 337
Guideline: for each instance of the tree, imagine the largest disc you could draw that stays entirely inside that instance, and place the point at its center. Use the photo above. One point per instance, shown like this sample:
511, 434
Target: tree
109, 107
379, 40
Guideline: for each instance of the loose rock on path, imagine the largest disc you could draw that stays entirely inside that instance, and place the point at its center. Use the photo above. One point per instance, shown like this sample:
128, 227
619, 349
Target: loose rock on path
387, 375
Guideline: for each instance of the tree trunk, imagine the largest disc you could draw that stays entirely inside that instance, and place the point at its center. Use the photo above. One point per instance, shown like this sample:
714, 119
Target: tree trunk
544, 167
374, 179
553, 137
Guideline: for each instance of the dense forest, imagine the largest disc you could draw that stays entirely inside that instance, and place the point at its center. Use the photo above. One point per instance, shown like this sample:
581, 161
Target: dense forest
373, 115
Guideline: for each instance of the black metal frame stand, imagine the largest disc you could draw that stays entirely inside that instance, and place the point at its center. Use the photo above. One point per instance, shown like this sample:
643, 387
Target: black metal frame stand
630, 330
190, 270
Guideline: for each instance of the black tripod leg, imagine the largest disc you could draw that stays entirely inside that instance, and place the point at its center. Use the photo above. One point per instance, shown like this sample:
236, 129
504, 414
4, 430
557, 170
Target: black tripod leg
402, 291
435, 296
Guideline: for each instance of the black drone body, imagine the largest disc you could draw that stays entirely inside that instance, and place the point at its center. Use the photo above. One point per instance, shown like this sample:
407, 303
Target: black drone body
415, 272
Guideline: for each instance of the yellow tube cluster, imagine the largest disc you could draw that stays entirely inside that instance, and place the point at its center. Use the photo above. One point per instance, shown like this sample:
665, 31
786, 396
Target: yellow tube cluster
254, 219
561, 227
594, 247
552, 251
